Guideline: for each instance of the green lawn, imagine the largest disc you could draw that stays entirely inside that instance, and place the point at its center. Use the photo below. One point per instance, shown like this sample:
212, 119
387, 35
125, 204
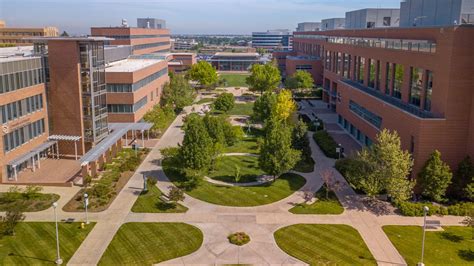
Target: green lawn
225, 169
242, 109
234, 80
305, 165
39, 202
205, 100
150, 243
319, 244
151, 203
34, 243
321, 206
248, 144
236, 196
453, 246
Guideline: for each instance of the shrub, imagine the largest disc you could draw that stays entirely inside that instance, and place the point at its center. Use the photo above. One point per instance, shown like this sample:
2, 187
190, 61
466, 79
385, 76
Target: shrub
326, 143
224, 102
169, 152
239, 238
461, 209
416, 208
351, 169
151, 181
10, 220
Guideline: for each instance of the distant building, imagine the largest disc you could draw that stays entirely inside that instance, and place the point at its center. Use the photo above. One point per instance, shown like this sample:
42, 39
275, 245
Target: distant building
152, 23
333, 23
273, 40
17, 35
308, 26
236, 61
373, 18
183, 44
423, 13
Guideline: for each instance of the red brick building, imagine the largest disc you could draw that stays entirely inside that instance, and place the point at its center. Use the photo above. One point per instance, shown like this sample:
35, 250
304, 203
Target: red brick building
417, 81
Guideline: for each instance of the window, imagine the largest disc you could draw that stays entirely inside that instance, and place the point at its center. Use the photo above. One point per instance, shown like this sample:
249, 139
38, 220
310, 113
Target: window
428, 90
347, 65
388, 78
339, 62
416, 82
372, 73
360, 69
367, 115
304, 67
22, 135
370, 25
398, 81
379, 75
137, 85
14, 110
387, 21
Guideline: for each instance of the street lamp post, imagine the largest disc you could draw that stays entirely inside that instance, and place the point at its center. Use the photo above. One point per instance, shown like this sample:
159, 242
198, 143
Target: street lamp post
58, 261
425, 212
86, 203
145, 187
338, 150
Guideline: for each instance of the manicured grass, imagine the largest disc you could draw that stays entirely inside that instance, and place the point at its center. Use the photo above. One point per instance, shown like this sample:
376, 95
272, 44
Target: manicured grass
235, 80
151, 203
34, 243
247, 145
453, 246
319, 244
150, 243
323, 205
205, 100
225, 169
38, 202
283, 187
242, 109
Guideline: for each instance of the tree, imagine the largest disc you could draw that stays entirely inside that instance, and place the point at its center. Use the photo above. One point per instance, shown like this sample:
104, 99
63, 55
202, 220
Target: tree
204, 73
276, 154
300, 140
160, 117
330, 183
233, 133
386, 166
435, 177
196, 150
224, 102
263, 78
64, 34
237, 174
301, 79
215, 128
463, 177
10, 220
178, 93
175, 194
263, 106
285, 105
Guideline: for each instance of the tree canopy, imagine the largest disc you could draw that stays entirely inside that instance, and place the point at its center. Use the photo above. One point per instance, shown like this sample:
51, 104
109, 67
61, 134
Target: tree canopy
196, 150
204, 73
300, 80
435, 177
224, 102
262, 108
178, 92
263, 78
285, 106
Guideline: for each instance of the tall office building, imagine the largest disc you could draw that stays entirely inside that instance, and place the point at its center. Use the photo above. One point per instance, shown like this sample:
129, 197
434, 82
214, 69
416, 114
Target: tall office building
309, 26
18, 36
372, 18
151, 23
423, 13
273, 40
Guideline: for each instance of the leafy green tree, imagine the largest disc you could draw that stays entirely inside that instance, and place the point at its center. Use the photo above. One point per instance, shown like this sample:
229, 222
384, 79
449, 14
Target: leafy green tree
237, 174
263, 78
175, 194
215, 128
276, 153
463, 176
300, 140
263, 106
196, 150
178, 93
224, 102
386, 166
160, 117
233, 134
284, 107
301, 79
204, 73
435, 177
10, 220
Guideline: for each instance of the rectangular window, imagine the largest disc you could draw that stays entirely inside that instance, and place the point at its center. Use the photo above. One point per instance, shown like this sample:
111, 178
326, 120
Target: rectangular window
361, 70
428, 90
416, 82
388, 77
379, 75
367, 115
347, 61
340, 61
372, 73
398, 81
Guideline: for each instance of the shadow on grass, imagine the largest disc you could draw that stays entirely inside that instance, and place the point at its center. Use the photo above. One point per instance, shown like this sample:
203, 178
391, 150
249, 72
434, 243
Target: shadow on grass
466, 254
452, 237
29, 257
165, 206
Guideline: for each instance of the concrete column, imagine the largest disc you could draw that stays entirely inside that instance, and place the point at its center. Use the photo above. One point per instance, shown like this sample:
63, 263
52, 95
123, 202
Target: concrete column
108, 158
101, 162
93, 168
85, 170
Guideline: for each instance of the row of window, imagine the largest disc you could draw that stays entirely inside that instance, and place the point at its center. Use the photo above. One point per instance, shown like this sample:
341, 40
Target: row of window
128, 37
367, 115
20, 108
19, 80
149, 45
304, 67
137, 85
354, 131
127, 108
354, 68
23, 135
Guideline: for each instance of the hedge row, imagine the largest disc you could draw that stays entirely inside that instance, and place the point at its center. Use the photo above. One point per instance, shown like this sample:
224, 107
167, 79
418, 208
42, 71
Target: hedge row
416, 209
326, 143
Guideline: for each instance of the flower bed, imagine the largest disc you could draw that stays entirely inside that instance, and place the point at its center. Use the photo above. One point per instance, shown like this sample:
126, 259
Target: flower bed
239, 238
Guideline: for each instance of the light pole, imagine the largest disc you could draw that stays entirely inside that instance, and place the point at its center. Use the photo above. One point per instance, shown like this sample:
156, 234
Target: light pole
58, 261
338, 150
145, 188
86, 203
425, 212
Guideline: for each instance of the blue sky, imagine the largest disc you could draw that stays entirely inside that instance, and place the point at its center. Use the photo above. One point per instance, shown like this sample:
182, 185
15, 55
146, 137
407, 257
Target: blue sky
183, 16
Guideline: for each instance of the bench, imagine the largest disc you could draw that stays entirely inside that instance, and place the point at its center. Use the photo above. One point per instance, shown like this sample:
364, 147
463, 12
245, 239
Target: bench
165, 198
433, 224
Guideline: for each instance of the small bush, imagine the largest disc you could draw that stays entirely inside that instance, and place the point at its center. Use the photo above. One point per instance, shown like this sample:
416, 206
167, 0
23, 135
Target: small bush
239, 238
350, 168
461, 209
326, 143
224, 102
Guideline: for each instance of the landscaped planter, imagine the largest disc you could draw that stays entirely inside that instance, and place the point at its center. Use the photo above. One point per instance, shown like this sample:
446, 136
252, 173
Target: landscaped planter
239, 238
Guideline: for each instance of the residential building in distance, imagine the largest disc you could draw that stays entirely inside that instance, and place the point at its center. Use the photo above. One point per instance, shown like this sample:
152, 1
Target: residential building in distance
391, 78
236, 61
309, 26
134, 86
333, 23
151, 23
373, 18
427, 13
16, 36
183, 44
273, 40
142, 40
23, 111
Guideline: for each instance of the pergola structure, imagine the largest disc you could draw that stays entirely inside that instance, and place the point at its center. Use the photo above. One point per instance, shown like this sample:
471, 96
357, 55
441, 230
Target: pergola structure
33, 156
67, 138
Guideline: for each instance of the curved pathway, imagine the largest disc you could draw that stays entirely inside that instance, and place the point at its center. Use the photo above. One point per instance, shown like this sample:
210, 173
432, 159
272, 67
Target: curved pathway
217, 222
